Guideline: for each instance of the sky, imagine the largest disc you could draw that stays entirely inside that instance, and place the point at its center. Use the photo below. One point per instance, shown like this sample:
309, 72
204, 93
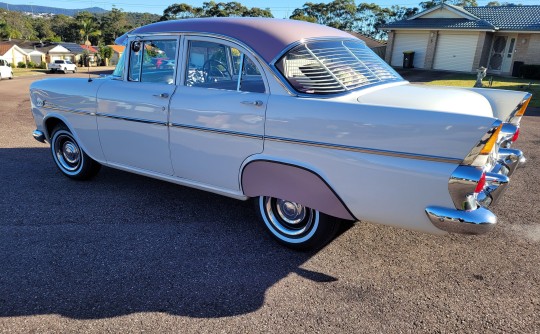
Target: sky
280, 8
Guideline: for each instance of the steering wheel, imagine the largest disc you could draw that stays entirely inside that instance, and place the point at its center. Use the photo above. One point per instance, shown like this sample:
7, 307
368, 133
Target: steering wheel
212, 68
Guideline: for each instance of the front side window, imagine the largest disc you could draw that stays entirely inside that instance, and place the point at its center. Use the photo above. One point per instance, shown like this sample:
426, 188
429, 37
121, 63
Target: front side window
219, 66
330, 67
153, 61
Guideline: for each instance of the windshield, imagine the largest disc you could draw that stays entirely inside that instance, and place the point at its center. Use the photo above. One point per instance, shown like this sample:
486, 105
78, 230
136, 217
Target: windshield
330, 67
119, 70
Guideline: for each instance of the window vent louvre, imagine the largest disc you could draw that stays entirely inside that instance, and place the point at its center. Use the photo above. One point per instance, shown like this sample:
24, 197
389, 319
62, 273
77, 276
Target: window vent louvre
332, 67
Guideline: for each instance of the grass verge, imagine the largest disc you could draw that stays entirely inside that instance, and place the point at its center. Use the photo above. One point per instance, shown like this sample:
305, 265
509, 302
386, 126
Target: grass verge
468, 80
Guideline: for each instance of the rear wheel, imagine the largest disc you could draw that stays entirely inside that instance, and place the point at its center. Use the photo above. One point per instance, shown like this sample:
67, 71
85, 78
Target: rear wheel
74, 70
69, 157
296, 226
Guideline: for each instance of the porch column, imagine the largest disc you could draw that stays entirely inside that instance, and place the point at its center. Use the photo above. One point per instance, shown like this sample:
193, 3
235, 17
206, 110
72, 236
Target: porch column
389, 47
431, 48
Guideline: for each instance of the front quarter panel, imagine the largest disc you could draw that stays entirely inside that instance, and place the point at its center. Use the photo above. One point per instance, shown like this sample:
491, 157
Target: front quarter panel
73, 101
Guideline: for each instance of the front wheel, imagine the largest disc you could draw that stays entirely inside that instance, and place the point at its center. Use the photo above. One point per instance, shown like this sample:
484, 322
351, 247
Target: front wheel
65, 70
69, 157
296, 226
74, 70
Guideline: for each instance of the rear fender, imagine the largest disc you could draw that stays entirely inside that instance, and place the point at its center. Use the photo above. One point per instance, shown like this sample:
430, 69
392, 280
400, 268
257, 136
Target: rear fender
293, 183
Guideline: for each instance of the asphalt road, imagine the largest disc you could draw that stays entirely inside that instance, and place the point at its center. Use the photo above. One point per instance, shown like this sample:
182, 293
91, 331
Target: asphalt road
125, 253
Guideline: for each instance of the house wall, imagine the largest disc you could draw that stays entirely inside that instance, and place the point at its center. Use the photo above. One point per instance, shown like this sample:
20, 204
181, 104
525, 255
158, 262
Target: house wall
528, 49
441, 13
14, 56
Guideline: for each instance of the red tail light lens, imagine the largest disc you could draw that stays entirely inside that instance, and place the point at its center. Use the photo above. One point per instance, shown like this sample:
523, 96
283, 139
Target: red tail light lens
481, 183
516, 136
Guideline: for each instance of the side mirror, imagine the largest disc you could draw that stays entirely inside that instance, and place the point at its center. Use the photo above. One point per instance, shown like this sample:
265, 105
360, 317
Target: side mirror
136, 46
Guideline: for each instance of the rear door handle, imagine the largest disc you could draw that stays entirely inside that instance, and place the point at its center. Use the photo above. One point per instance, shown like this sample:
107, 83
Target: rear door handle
163, 95
256, 103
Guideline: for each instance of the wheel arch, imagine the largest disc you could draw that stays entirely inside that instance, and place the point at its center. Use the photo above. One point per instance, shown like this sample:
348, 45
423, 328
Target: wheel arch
264, 177
52, 120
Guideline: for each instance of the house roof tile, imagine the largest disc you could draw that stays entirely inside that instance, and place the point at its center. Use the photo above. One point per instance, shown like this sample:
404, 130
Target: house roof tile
515, 18
525, 18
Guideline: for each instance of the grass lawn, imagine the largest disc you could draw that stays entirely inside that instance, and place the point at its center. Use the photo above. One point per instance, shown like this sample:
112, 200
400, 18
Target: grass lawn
19, 72
468, 80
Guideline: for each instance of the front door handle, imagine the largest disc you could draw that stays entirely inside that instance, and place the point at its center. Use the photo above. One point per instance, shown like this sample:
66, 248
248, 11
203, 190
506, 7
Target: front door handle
163, 95
256, 103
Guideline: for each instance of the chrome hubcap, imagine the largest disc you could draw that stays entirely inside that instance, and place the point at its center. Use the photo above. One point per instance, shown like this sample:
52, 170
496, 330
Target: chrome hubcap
71, 152
288, 218
291, 212
67, 152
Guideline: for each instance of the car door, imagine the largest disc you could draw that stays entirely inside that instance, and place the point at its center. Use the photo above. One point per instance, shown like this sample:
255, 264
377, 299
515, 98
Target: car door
217, 113
133, 109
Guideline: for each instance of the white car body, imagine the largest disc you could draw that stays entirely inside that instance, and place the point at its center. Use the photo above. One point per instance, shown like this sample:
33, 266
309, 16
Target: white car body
61, 65
6, 72
390, 152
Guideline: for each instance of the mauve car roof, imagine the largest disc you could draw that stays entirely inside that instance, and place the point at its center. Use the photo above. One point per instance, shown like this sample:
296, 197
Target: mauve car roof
267, 37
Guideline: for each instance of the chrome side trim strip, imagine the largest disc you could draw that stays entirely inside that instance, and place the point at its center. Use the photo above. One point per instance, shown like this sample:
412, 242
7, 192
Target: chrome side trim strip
367, 150
132, 119
211, 130
64, 109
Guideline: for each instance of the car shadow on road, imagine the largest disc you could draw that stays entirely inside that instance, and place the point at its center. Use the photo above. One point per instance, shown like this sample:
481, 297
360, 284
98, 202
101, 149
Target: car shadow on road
123, 243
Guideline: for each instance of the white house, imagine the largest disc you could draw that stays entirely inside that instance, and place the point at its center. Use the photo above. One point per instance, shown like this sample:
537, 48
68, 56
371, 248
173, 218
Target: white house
12, 53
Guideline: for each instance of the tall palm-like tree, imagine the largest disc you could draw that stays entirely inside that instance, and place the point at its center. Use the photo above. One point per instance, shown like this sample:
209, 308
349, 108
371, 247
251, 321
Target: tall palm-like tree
88, 28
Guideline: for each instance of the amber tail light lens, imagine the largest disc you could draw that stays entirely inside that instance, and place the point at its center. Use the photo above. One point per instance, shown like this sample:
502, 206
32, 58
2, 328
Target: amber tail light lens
521, 110
491, 142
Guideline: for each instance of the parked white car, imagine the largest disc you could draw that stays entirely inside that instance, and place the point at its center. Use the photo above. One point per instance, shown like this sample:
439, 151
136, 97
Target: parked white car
5, 69
61, 65
303, 118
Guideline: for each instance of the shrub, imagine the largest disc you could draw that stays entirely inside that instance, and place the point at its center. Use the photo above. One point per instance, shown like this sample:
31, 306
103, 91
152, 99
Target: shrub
530, 71
43, 65
31, 64
21, 64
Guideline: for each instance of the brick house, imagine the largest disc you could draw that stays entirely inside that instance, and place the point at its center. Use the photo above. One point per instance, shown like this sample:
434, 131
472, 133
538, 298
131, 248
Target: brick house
452, 38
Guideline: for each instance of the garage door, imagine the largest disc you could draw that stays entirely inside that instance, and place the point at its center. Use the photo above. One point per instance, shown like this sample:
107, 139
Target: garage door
416, 42
455, 52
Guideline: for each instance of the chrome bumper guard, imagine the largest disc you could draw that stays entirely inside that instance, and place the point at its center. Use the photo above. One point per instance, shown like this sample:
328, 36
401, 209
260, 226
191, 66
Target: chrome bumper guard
39, 136
479, 220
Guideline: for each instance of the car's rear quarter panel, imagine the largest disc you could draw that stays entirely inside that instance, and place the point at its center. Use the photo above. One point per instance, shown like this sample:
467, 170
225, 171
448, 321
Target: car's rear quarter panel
376, 187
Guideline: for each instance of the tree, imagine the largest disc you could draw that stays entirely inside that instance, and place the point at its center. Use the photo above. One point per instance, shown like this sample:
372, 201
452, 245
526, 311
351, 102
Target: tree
88, 27
113, 24
212, 9
462, 3
105, 53
340, 14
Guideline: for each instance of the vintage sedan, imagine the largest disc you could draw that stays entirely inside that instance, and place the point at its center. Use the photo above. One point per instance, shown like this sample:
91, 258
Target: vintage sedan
302, 118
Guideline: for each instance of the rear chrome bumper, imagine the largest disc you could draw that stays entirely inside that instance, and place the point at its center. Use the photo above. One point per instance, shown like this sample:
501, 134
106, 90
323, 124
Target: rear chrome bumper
478, 219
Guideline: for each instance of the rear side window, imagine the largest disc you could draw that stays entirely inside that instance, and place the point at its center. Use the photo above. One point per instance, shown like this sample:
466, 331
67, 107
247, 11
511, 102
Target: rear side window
58, 61
330, 67
220, 66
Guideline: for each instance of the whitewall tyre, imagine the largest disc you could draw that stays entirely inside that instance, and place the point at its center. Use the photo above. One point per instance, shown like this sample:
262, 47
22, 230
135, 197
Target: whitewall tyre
72, 161
296, 226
